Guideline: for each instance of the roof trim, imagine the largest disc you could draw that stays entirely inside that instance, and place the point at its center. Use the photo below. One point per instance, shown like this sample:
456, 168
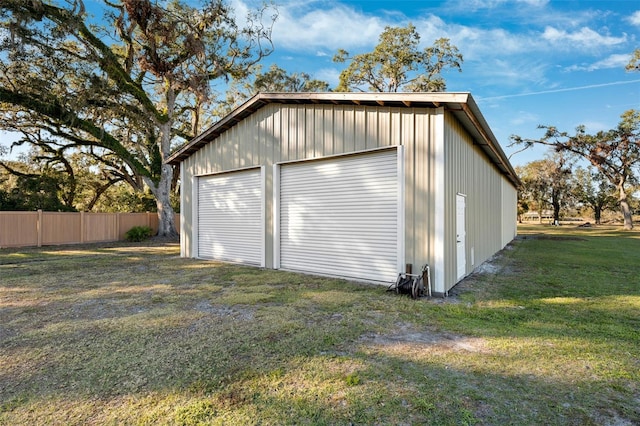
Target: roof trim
461, 104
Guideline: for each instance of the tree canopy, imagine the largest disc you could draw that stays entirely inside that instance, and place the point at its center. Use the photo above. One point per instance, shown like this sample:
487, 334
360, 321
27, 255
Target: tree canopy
592, 189
545, 183
275, 79
126, 90
397, 64
634, 62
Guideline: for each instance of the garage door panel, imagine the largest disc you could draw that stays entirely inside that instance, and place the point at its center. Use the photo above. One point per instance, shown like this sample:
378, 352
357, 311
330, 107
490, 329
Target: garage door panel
314, 182
359, 187
347, 258
230, 217
340, 216
362, 269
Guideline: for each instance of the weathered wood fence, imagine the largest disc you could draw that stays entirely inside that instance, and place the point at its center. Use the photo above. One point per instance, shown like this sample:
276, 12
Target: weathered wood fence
38, 228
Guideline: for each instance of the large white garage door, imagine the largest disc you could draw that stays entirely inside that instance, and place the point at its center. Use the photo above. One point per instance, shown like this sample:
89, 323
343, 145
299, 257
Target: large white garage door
340, 216
230, 219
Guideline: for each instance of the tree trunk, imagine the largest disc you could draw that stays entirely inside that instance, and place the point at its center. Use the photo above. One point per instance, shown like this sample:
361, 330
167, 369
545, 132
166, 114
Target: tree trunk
166, 214
597, 212
624, 208
556, 211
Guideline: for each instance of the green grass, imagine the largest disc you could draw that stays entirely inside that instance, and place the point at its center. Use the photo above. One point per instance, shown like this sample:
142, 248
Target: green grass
133, 334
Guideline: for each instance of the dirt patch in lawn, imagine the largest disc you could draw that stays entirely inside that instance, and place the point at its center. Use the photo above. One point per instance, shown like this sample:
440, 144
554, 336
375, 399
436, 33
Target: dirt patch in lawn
226, 312
409, 336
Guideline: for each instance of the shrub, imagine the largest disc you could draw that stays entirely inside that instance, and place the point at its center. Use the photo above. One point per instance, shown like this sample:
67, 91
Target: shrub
138, 233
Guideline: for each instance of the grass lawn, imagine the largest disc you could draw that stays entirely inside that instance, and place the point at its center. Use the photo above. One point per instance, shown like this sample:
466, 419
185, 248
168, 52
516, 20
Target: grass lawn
547, 332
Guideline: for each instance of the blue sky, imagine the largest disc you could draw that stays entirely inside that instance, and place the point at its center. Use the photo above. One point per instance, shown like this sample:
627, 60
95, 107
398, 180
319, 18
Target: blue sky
526, 62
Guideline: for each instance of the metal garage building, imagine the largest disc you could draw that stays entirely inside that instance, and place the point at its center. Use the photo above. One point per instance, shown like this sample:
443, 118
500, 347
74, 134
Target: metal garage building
354, 185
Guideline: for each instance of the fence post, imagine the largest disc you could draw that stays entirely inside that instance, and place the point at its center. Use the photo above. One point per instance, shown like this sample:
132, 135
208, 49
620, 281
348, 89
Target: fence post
39, 227
118, 226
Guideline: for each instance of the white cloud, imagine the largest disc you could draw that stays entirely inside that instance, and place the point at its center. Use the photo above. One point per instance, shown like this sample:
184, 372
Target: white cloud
330, 75
585, 37
474, 5
476, 43
634, 19
524, 117
333, 28
612, 61
528, 71
508, 74
534, 3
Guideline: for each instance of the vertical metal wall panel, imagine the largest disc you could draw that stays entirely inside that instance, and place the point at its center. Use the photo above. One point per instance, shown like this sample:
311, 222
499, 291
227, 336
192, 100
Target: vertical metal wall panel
440, 222
409, 142
339, 216
423, 191
328, 130
338, 131
360, 118
509, 212
230, 217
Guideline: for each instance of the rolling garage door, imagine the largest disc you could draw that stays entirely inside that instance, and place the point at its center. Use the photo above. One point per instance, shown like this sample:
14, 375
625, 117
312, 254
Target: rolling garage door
340, 216
230, 217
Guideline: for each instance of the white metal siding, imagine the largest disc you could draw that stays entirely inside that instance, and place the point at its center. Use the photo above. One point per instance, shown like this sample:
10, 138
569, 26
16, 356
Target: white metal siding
509, 212
468, 171
230, 217
340, 216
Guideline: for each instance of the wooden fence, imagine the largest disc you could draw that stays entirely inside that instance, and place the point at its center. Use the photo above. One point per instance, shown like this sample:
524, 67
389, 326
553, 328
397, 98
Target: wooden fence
38, 228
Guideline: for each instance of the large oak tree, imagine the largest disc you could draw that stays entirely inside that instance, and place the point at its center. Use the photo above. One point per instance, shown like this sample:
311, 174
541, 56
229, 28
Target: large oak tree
125, 87
397, 64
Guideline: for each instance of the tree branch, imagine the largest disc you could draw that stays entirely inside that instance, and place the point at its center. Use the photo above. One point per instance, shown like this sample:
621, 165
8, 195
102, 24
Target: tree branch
56, 111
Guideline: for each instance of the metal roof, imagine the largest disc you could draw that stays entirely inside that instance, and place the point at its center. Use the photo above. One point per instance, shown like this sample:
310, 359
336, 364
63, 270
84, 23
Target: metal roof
460, 104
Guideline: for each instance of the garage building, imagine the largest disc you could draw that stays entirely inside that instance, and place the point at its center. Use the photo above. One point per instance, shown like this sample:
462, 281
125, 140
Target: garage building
354, 185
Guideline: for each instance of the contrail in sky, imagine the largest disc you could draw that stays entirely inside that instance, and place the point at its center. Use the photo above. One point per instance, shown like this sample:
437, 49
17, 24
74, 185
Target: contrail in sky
568, 89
